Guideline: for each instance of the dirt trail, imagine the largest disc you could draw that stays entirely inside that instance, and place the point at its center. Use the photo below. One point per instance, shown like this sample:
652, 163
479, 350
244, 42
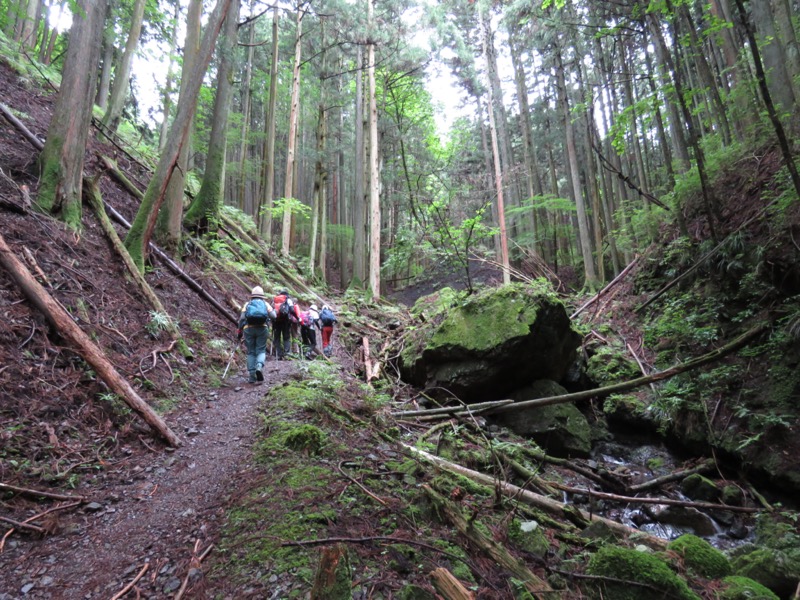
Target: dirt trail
151, 507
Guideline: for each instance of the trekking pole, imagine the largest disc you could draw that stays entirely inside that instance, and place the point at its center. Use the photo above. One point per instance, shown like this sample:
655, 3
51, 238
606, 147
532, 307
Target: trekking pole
230, 360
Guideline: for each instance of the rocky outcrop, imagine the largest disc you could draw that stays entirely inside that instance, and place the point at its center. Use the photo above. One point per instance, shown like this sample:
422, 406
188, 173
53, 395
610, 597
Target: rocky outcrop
490, 344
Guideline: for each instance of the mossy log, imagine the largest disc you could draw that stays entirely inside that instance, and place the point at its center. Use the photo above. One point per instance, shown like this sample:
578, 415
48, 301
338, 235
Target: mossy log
448, 586
81, 342
91, 193
533, 583
705, 359
333, 579
547, 504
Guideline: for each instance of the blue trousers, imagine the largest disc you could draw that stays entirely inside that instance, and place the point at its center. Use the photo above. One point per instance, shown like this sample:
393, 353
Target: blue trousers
255, 340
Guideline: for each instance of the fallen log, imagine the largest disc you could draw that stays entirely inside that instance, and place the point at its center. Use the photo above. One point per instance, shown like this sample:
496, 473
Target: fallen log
665, 501
597, 296
712, 356
547, 504
173, 266
82, 343
91, 193
448, 410
448, 586
466, 527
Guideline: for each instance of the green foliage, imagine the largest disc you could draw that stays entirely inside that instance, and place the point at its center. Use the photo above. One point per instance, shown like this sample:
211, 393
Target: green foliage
295, 206
700, 556
158, 324
744, 588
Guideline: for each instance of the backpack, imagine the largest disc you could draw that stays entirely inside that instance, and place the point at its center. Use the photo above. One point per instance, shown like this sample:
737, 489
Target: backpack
284, 309
327, 317
305, 318
256, 312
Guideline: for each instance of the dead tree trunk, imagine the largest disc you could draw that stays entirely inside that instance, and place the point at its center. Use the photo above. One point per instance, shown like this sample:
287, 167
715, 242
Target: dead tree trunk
81, 342
333, 579
448, 586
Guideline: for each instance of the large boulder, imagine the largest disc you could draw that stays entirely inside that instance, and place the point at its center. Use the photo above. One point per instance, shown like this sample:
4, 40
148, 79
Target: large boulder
561, 429
491, 343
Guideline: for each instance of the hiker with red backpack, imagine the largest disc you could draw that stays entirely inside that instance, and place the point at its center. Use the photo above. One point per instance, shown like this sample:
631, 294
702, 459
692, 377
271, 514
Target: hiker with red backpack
254, 328
327, 319
287, 313
309, 323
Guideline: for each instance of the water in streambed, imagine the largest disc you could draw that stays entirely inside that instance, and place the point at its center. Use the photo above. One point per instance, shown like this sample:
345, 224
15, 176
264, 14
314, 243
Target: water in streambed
636, 461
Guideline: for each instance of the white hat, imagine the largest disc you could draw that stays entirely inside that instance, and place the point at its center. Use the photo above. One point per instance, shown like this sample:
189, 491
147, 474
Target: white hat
313, 307
258, 292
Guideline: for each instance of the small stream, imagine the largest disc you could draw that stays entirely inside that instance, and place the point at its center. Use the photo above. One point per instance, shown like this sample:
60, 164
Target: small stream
637, 460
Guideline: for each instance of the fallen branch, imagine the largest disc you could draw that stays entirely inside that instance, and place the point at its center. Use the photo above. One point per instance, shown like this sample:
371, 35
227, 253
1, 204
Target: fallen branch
27, 133
707, 465
128, 587
82, 343
448, 586
22, 525
38, 493
449, 410
367, 361
597, 296
547, 504
712, 356
466, 527
194, 564
666, 501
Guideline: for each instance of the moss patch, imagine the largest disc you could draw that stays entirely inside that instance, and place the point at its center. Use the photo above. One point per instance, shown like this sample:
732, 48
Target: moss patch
634, 566
701, 557
744, 588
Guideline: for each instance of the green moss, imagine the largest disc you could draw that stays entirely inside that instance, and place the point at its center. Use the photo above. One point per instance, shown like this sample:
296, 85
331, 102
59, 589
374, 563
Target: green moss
744, 588
697, 487
775, 569
701, 557
305, 438
634, 566
610, 365
529, 536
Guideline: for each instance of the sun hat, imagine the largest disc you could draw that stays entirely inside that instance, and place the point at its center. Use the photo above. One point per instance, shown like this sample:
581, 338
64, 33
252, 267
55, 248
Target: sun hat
313, 307
258, 292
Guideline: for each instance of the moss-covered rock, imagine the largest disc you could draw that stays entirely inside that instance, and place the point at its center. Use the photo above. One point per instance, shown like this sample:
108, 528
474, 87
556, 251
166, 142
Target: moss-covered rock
492, 343
609, 365
697, 487
529, 536
776, 569
637, 567
561, 429
701, 557
744, 588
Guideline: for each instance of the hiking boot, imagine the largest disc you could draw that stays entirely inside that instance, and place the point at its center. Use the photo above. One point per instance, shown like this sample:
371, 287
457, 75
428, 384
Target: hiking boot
251, 380
259, 374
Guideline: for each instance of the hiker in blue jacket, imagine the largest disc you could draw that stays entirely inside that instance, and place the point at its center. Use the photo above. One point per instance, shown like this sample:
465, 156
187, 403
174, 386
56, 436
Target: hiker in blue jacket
254, 327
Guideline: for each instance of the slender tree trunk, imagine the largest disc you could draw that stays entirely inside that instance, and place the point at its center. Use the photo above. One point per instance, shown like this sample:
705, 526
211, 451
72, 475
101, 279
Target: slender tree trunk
61, 160
142, 227
168, 85
374, 167
246, 102
294, 117
104, 86
170, 217
498, 172
119, 90
774, 58
359, 198
268, 172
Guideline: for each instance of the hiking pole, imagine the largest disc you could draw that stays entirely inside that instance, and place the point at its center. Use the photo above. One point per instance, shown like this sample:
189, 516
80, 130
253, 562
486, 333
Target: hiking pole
230, 360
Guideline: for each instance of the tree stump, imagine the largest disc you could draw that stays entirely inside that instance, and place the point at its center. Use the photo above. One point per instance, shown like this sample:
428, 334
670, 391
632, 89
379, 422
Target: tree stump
333, 579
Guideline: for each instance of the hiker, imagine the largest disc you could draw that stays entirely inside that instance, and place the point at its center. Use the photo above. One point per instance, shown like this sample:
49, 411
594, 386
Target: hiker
287, 313
309, 323
327, 318
254, 328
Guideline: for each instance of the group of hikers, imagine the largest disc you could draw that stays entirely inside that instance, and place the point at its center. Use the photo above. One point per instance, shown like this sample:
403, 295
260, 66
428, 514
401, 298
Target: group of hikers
285, 317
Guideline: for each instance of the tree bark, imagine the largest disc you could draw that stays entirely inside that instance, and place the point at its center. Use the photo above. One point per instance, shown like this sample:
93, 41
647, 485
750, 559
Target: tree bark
374, 169
119, 91
448, 586
61, 160
204, 210
268, 173
138, 238
82, 343
333, 579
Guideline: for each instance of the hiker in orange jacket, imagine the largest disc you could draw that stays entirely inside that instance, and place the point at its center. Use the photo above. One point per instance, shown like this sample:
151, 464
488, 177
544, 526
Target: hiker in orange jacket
287, 313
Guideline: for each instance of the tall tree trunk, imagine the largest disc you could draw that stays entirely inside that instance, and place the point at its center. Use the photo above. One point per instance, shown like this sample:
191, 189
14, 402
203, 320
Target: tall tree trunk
204, 210
320, 173
374, 167
246, 95
591, 281
104, 87
119, 90
359, 193
294, 117
268, 172
29, 25
142, 227
61, 160
498, 172
170, 217
168, 84
774, 58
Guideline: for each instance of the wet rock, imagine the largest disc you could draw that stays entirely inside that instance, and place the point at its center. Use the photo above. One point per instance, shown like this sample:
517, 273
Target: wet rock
172, 585
93, 507
700, 488
738, 531
26, 588
775, 569
684, 517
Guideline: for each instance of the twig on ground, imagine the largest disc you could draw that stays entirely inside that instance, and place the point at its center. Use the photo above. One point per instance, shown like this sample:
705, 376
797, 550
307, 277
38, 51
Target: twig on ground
128, 587
38, 493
